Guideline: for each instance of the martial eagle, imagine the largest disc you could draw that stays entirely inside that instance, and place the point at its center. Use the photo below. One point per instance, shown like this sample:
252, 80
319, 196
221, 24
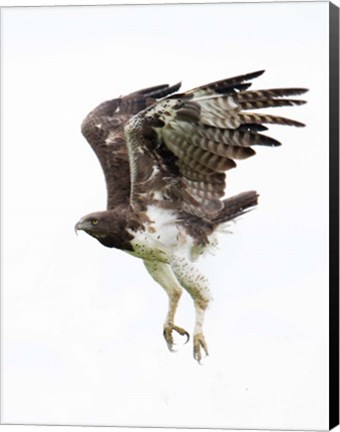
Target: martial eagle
164, 155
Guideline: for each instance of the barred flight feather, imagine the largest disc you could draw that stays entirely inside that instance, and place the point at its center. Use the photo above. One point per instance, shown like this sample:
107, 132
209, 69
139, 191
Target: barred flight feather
206, 195
187, 160
219, 86
236, 137
210, 160
224, 150
268, 119
232, 122
268, 93
204, 190
266, 103
191, 174
186, 151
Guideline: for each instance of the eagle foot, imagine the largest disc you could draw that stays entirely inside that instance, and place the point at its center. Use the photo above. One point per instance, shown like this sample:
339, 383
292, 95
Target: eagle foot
199, 342
167, 333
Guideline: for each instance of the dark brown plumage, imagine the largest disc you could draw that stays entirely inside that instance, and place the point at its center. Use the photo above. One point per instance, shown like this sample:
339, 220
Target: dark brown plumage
164, 157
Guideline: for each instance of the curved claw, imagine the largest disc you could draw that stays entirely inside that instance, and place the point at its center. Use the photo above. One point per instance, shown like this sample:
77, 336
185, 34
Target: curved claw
167, 333
199, 342
182, 332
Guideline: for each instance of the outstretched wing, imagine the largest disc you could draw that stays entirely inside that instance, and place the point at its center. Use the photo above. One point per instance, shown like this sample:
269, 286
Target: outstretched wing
181, 146
104, 130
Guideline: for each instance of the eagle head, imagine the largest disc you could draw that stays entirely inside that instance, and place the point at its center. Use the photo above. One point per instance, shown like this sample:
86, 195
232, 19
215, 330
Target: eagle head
107, 228
93, 224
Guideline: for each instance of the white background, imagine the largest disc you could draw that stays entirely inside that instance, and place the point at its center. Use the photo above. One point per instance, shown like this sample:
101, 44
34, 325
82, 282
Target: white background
81, 324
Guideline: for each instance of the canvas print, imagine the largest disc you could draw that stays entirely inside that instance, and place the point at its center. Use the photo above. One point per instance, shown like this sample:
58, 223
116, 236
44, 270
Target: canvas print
204, 302
164, 160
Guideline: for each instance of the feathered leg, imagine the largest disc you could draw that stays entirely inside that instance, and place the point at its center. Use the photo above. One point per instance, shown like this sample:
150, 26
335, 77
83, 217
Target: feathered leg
197, 286
163, 275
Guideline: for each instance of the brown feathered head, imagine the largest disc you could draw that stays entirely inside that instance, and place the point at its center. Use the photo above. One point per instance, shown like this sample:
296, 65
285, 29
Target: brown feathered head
107, 228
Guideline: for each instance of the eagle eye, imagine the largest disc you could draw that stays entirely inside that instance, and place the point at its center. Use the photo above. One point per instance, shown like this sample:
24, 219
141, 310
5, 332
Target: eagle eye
94, 221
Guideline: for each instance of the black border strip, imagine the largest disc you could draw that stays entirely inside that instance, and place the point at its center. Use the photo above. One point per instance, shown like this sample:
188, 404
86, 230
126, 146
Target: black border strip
333, 215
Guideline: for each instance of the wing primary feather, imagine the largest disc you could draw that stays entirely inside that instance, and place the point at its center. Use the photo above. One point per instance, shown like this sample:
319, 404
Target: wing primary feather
191, 174
225, 85
164, 91
148, 91
269, 103
269, 93
268, 119
236, 137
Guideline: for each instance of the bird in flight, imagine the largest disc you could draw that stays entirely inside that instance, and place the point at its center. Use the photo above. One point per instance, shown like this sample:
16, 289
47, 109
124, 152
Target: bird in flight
164, 155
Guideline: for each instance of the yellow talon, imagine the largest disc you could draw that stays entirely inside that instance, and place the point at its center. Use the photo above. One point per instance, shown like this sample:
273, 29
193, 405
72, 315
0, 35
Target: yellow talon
167, 333
199, 342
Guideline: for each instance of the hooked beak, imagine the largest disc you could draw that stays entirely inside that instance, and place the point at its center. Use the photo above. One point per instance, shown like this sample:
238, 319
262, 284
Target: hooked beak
77, 227
82, 225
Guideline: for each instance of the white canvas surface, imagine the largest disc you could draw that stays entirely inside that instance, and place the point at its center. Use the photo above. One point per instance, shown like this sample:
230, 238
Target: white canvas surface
82, 324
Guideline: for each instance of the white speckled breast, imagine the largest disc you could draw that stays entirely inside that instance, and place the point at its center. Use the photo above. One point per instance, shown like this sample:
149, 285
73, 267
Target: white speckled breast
160, 237
164, 238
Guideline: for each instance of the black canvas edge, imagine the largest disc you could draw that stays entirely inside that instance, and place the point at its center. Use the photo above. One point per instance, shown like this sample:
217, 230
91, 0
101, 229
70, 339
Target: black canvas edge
333, 215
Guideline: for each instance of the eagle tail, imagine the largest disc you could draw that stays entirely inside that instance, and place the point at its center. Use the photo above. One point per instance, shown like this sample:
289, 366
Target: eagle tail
236, 206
